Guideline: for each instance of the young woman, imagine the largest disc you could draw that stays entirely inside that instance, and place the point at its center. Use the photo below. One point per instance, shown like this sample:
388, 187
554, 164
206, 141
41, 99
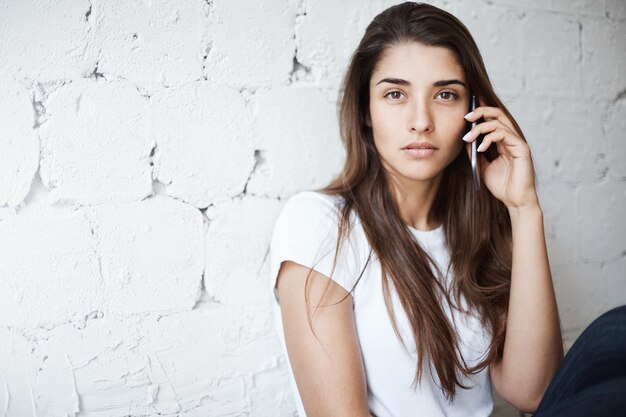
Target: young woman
400, 289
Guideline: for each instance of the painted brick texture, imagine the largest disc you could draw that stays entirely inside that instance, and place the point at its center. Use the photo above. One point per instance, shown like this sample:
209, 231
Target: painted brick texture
147, 147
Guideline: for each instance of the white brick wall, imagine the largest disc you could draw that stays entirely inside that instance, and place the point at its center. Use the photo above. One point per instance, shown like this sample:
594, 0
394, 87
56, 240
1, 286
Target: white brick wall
146, 148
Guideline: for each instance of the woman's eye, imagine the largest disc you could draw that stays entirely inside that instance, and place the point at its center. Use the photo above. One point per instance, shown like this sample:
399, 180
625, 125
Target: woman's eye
448, 95
394, 95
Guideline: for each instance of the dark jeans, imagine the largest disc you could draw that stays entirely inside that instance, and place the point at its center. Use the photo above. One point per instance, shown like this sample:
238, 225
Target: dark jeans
591, 380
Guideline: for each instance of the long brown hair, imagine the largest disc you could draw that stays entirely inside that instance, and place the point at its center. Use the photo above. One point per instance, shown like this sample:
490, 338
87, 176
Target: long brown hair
477, 226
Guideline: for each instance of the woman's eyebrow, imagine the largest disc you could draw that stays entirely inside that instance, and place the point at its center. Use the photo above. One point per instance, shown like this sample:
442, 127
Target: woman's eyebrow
439, 83
398, 81
442, 83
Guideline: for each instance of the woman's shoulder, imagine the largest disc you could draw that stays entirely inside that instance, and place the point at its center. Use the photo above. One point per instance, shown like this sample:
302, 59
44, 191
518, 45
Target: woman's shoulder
306, 232
312, 204
313, 195
309, 216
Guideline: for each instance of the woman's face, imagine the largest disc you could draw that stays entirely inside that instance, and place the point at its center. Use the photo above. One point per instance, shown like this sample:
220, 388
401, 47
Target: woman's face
418, 95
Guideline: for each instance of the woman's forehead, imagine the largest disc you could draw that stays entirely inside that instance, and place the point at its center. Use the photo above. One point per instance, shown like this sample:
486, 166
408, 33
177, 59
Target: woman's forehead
418, 62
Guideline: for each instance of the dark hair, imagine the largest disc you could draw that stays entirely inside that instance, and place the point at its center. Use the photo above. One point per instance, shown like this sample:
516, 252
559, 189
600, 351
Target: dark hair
477, 226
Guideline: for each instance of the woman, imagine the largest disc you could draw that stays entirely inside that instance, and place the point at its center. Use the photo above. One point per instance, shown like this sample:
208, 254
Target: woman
397, 283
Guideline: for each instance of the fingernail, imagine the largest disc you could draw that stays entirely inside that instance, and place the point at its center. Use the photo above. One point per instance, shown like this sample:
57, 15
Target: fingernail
469, 114
467, 135
480, 148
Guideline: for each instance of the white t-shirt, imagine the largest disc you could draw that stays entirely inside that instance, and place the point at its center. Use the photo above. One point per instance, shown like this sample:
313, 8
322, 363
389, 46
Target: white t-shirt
305, 232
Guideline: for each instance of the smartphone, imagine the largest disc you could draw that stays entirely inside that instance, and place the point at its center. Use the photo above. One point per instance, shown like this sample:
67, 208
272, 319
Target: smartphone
474, 155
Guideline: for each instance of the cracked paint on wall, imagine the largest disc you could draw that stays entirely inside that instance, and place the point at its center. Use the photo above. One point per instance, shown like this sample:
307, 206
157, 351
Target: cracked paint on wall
147, 148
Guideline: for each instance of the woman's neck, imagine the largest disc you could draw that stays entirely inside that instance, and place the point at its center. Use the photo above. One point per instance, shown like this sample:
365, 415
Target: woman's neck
415, 200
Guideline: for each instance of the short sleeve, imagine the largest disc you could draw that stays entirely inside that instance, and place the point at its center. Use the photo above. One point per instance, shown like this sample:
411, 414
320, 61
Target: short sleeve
306, 232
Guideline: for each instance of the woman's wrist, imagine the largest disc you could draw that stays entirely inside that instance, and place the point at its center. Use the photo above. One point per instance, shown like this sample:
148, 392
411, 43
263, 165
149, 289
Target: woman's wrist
527, 210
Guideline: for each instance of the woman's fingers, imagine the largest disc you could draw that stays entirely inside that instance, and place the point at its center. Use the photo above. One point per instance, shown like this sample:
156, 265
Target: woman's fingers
483, 128
496, 131
495, 136
490, 113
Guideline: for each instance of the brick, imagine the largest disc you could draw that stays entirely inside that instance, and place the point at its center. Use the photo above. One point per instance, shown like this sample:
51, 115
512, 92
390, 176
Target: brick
204, 148
526, 5
578, 147
602, 237
46, 40
603, 57
151, 255
95, 145
132, 258
271, 394
244, 50
558, 131
193, 356
559, 205
239, 238
52, 278
614, 128
615, 9
19, 365
544, 67
19, 159
150, 42
54, 386
114, 366
297, 128
325, 53
614, 283
583, 7
579, 294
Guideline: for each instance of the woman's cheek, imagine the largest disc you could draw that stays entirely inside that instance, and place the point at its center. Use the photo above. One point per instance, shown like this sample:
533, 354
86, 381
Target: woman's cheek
457, 125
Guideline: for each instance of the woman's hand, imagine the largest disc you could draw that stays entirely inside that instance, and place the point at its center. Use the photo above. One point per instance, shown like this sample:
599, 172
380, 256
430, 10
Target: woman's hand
511, 176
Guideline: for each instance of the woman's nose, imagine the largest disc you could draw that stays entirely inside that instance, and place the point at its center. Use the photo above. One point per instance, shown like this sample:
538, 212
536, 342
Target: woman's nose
420, 118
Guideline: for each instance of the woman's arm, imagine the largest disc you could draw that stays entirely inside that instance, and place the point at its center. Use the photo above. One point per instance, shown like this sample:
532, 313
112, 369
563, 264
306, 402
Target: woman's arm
533, 347
328, 369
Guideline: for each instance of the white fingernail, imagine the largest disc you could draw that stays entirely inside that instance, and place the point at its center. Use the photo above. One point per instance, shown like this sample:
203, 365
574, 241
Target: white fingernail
469, 114
480, 148
466, 135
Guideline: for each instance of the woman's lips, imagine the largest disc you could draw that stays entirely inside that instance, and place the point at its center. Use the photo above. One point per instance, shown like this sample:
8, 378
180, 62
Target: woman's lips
419, 153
